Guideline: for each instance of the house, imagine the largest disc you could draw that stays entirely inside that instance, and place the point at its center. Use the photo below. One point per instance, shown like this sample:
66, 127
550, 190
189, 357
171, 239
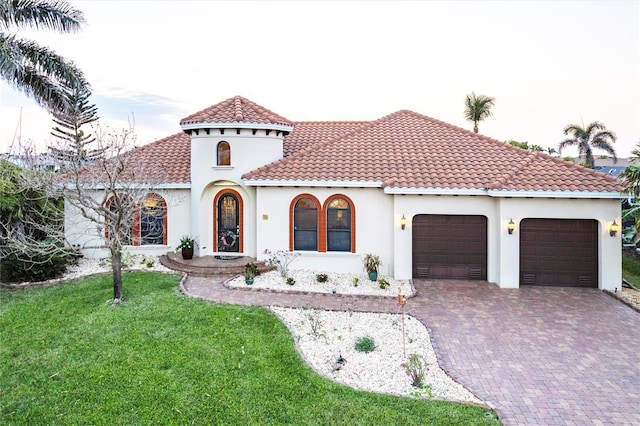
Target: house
431, 199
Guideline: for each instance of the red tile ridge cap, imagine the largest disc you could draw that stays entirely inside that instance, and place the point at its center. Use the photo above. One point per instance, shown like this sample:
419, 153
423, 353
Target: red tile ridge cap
237, 103
502, 180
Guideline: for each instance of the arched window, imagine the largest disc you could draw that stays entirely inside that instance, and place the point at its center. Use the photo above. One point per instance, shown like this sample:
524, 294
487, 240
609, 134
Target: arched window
339, 225
224, 154
153, 221
305, 225
142, 224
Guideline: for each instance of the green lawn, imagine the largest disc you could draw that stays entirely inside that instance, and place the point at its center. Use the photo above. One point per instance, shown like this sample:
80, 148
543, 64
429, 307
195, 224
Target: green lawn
631, 269
67, 357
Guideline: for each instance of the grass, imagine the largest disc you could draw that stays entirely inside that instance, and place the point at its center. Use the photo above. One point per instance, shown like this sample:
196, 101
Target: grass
631, 269
67, 357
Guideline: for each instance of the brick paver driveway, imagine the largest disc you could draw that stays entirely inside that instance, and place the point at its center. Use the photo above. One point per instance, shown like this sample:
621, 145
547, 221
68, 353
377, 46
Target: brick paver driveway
538, 355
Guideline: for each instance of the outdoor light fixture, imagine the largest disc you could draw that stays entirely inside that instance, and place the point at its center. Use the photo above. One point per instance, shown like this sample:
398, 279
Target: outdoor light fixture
403, 222
511, 226
614, 228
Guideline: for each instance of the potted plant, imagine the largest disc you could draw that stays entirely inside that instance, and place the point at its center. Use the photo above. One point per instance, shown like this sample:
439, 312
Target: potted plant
371, 264
186, 246
250, 272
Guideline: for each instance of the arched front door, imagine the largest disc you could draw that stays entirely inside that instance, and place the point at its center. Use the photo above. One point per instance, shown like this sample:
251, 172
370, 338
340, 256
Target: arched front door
228, 214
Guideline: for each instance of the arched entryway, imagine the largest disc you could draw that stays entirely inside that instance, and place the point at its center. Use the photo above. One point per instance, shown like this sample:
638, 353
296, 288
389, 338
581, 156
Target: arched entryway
227, 221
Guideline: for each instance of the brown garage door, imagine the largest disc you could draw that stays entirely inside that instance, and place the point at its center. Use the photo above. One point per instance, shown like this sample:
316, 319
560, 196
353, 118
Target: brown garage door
450, 247
559, 252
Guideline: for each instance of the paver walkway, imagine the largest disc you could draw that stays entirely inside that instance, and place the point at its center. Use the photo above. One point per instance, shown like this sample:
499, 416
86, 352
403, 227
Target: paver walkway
538, 355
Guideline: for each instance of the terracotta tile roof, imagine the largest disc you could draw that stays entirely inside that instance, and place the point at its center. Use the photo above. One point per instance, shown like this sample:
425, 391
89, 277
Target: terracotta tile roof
166, 161
540, 172
236, 110
402, 151
409, 150
307, 133
173, 156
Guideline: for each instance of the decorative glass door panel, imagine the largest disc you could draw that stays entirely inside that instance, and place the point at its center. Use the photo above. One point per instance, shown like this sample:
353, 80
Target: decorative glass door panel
228, 224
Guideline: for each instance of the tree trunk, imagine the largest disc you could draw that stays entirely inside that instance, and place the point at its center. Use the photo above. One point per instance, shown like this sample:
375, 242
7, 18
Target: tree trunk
475, 126
116, 267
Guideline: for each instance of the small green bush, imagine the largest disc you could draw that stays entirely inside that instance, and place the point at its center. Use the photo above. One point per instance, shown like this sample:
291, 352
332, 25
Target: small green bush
291, 281
365, 344
383, 283
45, 262
322, 278
250, 270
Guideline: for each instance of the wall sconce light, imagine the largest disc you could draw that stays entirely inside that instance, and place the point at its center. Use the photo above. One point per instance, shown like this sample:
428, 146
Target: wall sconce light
613, 229
511, 226
403, 222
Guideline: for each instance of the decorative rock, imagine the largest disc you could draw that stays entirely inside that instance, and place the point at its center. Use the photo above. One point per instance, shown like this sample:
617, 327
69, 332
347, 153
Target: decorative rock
306, 281
378, 371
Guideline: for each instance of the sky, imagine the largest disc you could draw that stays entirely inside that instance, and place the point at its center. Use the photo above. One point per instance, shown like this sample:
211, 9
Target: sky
548, 64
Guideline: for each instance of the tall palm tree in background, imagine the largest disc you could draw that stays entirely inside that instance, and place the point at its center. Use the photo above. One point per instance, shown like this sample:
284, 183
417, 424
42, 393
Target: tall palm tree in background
595, 135
477, 108
33, 69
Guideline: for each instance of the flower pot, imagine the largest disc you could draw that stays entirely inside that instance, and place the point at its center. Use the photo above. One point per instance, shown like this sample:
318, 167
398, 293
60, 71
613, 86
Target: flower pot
248, 281
373, 276
187, 253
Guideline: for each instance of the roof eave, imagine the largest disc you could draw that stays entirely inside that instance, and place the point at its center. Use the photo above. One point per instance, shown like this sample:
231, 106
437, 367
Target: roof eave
324, 183
235, 125
132, 185
556, 194
434, 191
503, 193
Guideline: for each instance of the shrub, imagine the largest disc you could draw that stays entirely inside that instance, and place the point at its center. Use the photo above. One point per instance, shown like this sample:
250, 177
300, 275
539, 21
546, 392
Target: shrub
371, 262
291, 281
356, 280
383, 283
415, 368
47, 261
365, 344
322, 278
281, 260
250, 270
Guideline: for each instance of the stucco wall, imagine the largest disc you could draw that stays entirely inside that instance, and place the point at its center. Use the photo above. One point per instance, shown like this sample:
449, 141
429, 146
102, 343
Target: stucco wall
90, 237
203, 232
248, 152
503, 249
605, 211
373, 227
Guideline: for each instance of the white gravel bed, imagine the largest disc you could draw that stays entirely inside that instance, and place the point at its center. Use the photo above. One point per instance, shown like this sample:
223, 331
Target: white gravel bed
306, 281
379, 371
87, 267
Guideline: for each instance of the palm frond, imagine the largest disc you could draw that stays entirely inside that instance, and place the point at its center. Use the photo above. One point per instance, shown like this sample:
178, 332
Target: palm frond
56, 15
631, 181
38, 72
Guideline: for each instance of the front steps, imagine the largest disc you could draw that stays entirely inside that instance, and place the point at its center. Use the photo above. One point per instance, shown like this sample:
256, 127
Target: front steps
207, 266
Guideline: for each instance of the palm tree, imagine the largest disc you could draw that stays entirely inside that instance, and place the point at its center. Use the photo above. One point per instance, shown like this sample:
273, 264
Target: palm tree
631, 187
595, 135
477, 108
33, 69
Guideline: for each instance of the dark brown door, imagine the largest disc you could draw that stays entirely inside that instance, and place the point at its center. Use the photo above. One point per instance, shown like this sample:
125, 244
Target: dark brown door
450, 247
559, 252
228, 224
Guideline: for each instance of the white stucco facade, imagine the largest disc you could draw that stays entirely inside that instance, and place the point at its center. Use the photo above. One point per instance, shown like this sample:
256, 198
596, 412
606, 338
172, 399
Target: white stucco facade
257, 213
90, 237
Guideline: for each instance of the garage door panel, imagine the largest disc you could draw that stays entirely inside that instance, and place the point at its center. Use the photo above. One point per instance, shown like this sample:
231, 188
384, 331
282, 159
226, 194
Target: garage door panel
449, 247
559, 252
